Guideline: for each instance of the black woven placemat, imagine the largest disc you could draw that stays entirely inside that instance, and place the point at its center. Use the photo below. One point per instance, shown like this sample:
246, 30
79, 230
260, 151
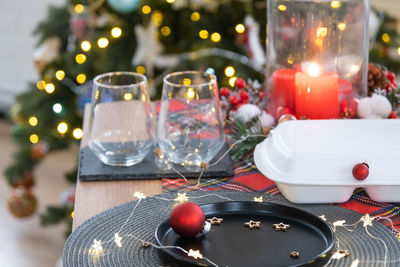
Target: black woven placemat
151, 212
92, 169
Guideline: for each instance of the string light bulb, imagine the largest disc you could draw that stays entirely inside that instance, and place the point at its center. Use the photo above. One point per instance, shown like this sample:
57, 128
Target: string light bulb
195, 16
102, 42
282, 7
336, 4
140, 69
117, 240
33, 121
34, 138
79, 8
50, 88
232, 81
215, 37
81, 78
386, 38
190, 93
41, 85
146, 9
203, 34
342, 26
86, 46
229, 71
170, 1
80, 58
240, 28
116, 32
60, 74
165, 31
139, 195
128, 96
77, 133
57, 108
62, 127
96, 249
182, 197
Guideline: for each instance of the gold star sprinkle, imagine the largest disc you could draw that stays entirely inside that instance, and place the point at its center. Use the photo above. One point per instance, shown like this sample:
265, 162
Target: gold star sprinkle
294, 254
253, 224
258, 199
181, 197
367, 220
195, 254
215, 221
281, 226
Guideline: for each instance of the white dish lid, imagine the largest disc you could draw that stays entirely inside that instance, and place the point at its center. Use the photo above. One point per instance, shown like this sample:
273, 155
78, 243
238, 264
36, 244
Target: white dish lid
324, 152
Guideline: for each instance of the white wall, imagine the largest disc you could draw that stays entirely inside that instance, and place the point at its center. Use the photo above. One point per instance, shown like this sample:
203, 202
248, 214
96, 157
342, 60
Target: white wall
18, 18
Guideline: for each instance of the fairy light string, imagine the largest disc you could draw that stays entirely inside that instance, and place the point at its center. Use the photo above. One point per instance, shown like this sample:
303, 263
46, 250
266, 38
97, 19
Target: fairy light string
97, 249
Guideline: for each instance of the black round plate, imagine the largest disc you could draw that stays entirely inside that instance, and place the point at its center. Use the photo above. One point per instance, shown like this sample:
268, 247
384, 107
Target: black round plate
232, 244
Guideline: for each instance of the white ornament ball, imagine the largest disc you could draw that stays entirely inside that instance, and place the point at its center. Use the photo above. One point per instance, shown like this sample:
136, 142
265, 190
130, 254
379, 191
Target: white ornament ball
381, 106
364, 108
267, 120
206, 228
247, 111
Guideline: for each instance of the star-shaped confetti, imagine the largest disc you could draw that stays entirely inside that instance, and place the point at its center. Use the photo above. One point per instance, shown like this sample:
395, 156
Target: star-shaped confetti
355, 263
340, 254
253, 224
294, 254
258, 199
195, 254
117, 239
338, 223
367, 220
139, 195
215, 221
181, 197
281, 226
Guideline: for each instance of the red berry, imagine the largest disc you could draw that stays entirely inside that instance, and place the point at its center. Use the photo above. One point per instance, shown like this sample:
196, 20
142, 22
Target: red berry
240, 83
244, 101
391, 76
361, 171
261, 95
234, 100
224, 91
243, 95
393, 115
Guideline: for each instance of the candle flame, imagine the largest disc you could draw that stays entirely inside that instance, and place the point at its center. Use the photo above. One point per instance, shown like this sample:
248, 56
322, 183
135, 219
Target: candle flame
314, 70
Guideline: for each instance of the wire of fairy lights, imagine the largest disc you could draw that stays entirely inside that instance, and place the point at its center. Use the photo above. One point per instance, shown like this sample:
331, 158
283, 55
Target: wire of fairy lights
97, 250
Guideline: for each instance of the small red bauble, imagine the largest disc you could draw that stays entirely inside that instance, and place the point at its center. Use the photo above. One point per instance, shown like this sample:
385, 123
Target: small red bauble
393, 115
240, 83
234, 100
187, 219
243, 95
261, 95
361, 171
224, 91
391, 76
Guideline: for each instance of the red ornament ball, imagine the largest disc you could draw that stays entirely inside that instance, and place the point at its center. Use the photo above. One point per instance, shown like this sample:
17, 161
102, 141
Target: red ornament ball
243, 95
361, 171
187, 219
234, 100
240, 83
224, 91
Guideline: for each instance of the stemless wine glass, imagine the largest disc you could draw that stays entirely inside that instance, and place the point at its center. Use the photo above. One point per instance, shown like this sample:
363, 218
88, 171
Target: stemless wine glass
190, 128
121, 129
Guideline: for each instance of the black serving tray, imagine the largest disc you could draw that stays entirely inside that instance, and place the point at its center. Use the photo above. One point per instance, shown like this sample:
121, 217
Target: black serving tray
231, 244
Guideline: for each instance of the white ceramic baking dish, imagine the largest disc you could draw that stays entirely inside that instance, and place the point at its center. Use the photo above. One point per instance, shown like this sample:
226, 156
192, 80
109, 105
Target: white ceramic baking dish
311, 161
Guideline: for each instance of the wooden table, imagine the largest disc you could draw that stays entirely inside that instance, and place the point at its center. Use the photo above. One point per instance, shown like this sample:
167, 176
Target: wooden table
94, 197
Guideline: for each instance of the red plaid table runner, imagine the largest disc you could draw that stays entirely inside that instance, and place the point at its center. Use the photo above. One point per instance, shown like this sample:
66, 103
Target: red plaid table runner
249, 179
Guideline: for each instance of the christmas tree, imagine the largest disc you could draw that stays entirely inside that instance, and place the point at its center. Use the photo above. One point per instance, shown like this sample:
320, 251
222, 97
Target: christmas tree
87, 37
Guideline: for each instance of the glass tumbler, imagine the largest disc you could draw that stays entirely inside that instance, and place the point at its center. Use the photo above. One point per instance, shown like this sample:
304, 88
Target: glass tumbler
121, 130
190, 128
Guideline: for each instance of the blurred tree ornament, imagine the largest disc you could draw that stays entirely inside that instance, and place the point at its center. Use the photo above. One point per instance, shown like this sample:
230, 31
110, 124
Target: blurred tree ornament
15, 114
348, 107
148, 46
39, 150
67, 197
47, 52
123, 6
26, 180
22, 203
79, 25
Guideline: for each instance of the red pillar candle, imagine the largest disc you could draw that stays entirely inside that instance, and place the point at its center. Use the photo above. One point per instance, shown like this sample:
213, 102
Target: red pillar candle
317, 95
283, 88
